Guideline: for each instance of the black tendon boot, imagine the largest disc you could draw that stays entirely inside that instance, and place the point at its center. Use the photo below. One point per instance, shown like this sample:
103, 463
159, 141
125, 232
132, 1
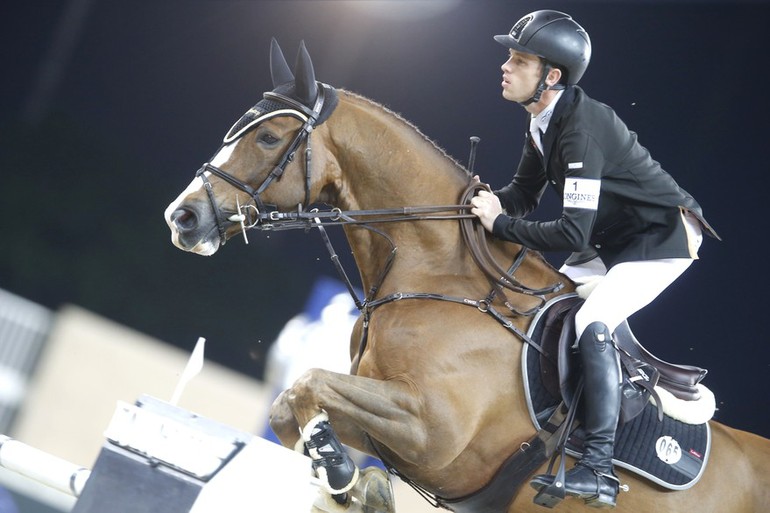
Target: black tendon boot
331, 461
592, 479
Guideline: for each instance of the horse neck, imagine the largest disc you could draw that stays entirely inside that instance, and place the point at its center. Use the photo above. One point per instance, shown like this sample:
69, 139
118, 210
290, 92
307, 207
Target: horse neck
384, 162
387, 162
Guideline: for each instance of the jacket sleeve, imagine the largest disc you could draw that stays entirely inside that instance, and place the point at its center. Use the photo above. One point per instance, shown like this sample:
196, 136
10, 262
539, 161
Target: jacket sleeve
523, 194
582, 161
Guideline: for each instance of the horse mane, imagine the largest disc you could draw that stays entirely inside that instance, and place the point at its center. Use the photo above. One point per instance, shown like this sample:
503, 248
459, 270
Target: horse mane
399, 118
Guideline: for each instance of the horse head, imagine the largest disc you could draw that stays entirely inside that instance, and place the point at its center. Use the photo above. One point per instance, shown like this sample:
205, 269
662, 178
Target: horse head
254, 172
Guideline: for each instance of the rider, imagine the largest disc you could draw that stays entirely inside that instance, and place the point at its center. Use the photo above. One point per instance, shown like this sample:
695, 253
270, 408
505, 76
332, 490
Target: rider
623, 217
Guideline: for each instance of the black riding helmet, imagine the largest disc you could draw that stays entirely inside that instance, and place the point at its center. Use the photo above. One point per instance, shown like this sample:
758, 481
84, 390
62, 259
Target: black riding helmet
557, 39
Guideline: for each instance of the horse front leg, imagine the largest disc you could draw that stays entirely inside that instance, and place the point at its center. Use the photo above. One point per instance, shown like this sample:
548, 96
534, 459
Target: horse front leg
359, 409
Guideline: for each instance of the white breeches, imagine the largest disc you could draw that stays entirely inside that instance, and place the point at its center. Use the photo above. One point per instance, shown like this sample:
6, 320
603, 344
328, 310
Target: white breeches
629, 286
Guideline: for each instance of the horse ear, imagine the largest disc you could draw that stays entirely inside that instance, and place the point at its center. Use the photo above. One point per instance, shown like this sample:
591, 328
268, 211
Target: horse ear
279, 68
306, 88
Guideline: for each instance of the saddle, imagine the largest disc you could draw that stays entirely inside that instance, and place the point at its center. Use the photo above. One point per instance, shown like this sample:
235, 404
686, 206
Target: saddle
642, 371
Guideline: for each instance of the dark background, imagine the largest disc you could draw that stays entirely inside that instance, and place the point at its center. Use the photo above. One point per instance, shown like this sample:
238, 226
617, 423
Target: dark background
109, 107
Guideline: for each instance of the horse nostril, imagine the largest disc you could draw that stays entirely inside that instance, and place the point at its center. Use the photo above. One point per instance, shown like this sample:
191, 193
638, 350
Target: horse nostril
184, 219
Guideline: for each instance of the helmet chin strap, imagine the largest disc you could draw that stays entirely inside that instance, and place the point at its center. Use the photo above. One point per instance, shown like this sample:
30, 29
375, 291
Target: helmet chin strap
542, 86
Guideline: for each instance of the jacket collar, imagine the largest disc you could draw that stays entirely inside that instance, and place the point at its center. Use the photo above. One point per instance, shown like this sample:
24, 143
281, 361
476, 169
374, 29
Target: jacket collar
562, 108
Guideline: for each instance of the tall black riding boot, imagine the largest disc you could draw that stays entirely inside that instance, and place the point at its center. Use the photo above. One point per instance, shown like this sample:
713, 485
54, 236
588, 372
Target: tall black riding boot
592, 479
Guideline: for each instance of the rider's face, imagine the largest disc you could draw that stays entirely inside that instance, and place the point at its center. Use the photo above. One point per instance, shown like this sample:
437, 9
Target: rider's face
521, 74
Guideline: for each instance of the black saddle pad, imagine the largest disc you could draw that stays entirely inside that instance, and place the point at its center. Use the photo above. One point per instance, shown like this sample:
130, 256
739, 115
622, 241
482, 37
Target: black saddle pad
669, 452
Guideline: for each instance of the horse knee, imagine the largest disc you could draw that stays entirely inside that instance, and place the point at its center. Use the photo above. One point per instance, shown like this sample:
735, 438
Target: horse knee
303, 392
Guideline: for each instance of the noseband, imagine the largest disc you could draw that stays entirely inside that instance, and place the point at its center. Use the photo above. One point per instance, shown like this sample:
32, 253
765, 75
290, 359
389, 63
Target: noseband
262, 211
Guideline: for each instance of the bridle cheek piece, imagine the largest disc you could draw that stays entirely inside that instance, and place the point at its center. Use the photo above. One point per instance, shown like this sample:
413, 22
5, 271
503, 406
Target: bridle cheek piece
262, 211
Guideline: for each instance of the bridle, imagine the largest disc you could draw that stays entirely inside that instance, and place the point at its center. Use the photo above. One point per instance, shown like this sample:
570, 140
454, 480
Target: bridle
261, 211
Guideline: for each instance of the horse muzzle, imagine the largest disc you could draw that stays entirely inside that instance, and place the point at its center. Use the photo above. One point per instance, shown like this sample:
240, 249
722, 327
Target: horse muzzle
193, 229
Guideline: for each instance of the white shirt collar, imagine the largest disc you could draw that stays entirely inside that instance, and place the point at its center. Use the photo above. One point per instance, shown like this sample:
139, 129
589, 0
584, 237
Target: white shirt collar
542, 120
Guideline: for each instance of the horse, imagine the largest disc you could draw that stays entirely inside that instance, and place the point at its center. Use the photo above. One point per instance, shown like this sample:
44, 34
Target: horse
435, 388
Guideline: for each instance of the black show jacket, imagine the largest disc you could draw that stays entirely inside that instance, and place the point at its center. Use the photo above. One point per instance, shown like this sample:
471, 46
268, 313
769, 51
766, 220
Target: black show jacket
640, 208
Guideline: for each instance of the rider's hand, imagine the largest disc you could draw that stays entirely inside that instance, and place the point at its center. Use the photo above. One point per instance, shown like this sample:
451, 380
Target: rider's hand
486, 206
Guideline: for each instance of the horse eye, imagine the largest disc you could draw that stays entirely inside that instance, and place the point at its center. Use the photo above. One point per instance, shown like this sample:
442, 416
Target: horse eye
268, 139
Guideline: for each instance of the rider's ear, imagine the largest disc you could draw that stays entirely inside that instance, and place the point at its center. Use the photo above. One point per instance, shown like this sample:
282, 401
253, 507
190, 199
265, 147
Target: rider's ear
554, 76
305, 86
279, 68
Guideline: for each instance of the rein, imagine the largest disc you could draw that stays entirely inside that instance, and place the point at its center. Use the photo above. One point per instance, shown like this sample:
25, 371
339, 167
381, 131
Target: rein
473, 235
304, 219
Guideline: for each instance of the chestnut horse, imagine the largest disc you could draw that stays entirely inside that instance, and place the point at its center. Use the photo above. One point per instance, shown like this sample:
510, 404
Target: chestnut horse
436, 385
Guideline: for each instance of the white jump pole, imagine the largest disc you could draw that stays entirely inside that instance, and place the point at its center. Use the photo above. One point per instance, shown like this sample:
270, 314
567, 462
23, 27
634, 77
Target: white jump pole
42, 467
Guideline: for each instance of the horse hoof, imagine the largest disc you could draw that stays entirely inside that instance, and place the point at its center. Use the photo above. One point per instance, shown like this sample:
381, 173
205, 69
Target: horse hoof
375, 491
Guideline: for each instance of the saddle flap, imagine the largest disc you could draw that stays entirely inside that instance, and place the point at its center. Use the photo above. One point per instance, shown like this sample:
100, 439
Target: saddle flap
639, 381
569, 365
680, 380
559, 318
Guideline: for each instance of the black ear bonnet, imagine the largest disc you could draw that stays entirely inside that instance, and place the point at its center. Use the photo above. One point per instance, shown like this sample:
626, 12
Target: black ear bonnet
303, 90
